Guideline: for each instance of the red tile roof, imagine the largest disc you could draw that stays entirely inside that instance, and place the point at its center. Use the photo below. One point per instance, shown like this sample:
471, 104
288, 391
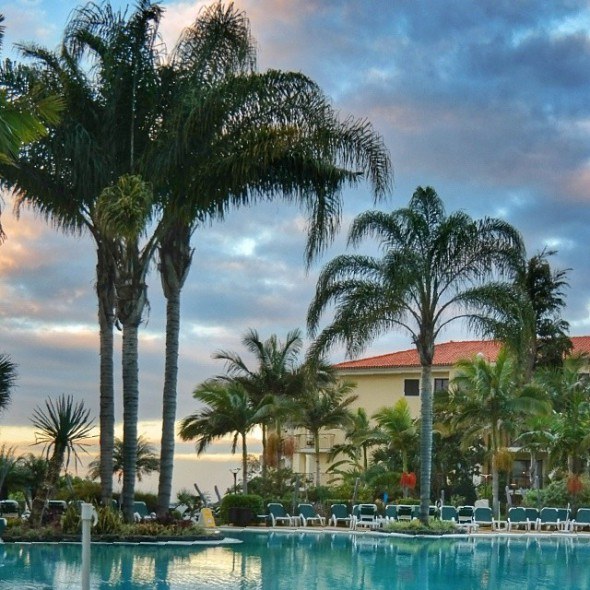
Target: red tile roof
445, 354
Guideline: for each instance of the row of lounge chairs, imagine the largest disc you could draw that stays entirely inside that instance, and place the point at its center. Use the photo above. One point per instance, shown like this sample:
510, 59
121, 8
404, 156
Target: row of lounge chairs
467, 517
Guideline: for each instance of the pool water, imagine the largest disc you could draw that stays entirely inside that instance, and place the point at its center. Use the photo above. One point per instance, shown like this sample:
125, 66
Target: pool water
278, 560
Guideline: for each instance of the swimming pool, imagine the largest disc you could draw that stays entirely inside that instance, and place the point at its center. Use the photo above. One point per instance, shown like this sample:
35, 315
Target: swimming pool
279, 560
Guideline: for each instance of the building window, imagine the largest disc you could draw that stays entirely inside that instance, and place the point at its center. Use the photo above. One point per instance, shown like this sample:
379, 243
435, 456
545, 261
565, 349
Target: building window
441, 384
411, 387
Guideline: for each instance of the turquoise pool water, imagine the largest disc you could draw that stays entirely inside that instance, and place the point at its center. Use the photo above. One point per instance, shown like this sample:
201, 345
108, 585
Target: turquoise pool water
308, 561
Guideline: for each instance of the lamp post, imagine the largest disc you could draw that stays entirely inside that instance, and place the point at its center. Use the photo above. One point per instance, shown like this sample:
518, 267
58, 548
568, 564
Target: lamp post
235, 472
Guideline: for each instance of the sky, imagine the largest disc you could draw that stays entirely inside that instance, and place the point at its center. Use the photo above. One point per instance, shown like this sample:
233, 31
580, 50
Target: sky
487, 101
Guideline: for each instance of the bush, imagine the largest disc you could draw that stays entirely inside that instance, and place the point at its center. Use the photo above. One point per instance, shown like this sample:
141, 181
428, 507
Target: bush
71, 521
109, 521
556, 494
251, 501
416, 527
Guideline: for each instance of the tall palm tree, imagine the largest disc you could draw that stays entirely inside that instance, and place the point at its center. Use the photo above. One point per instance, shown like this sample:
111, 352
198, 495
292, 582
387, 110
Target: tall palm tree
62, 427
123, 212
147, 460
232, 136
398, 429
274, 377
322, 406
488, 402
7, 380
228, 411
431, 262
105, 73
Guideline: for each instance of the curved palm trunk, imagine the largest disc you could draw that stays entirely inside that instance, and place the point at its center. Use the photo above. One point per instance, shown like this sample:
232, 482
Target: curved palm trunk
495, 489
130, 416
175, 260
244, 464
425, 440
106, 320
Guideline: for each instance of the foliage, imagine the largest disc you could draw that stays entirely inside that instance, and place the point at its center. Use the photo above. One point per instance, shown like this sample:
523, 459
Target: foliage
252, 501
8, 372
417, 527
276, 483
431, 264
556, 494
71, 520
109, 521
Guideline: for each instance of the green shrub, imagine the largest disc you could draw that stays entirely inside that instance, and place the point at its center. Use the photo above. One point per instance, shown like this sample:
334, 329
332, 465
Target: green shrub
556, 494
252, 501
71, 521
416, 527
109, 521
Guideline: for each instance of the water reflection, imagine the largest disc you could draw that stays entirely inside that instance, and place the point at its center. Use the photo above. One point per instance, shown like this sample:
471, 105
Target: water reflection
278, 560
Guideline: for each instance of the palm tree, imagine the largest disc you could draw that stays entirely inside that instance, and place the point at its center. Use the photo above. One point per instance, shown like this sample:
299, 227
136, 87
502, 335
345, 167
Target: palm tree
569, 390
62, 427
274, 378
147, 460
488, 402
525, 314
360, 435
228, 411
322, 405
398, 430
232, 136
123, 213
431, 262
104, 72
7, 380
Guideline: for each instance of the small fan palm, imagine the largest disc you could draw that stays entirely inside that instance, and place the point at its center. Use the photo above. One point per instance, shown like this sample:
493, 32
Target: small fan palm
62, 427
7, 380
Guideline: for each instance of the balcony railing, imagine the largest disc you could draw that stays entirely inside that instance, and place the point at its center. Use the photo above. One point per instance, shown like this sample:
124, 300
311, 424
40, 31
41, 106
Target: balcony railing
304, 443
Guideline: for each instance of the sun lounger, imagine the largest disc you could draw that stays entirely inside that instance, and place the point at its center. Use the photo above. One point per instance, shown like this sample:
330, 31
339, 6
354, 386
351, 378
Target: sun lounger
517, 518
308, 515
278, 514
483, 516
140, 512
390, 513
448, 513
365, 516
405, 512
532, 515
553, 518
582, 519
339, 513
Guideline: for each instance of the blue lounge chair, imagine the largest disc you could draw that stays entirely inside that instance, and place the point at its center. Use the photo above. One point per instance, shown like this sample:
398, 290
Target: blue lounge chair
563, 517
141, 513
532, 515
549, 518
278, 514
339, 513
366, 516
483, 516
448, 513
390, 513
517, 518
308, 515
405, 512
465, 514
582, 519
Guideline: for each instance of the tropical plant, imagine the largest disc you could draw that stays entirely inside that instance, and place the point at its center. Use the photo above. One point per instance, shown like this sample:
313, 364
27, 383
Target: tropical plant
104, 72
398, 430
274, 378
232, 136
62, 427
147, 460
488, 402
359, 437
569, 390
123, 213
8, 460
525, 314
323, 405
7, 380
228, 411
431, 263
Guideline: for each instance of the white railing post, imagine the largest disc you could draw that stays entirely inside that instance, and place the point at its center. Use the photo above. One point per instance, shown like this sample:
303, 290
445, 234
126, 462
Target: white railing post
87, 510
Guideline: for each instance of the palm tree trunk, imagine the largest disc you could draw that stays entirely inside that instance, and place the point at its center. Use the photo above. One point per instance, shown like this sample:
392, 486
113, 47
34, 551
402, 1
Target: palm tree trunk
316, 442
106, 320
425, 440
495, 489
175, 260
244, 464
130, 416
264, 432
